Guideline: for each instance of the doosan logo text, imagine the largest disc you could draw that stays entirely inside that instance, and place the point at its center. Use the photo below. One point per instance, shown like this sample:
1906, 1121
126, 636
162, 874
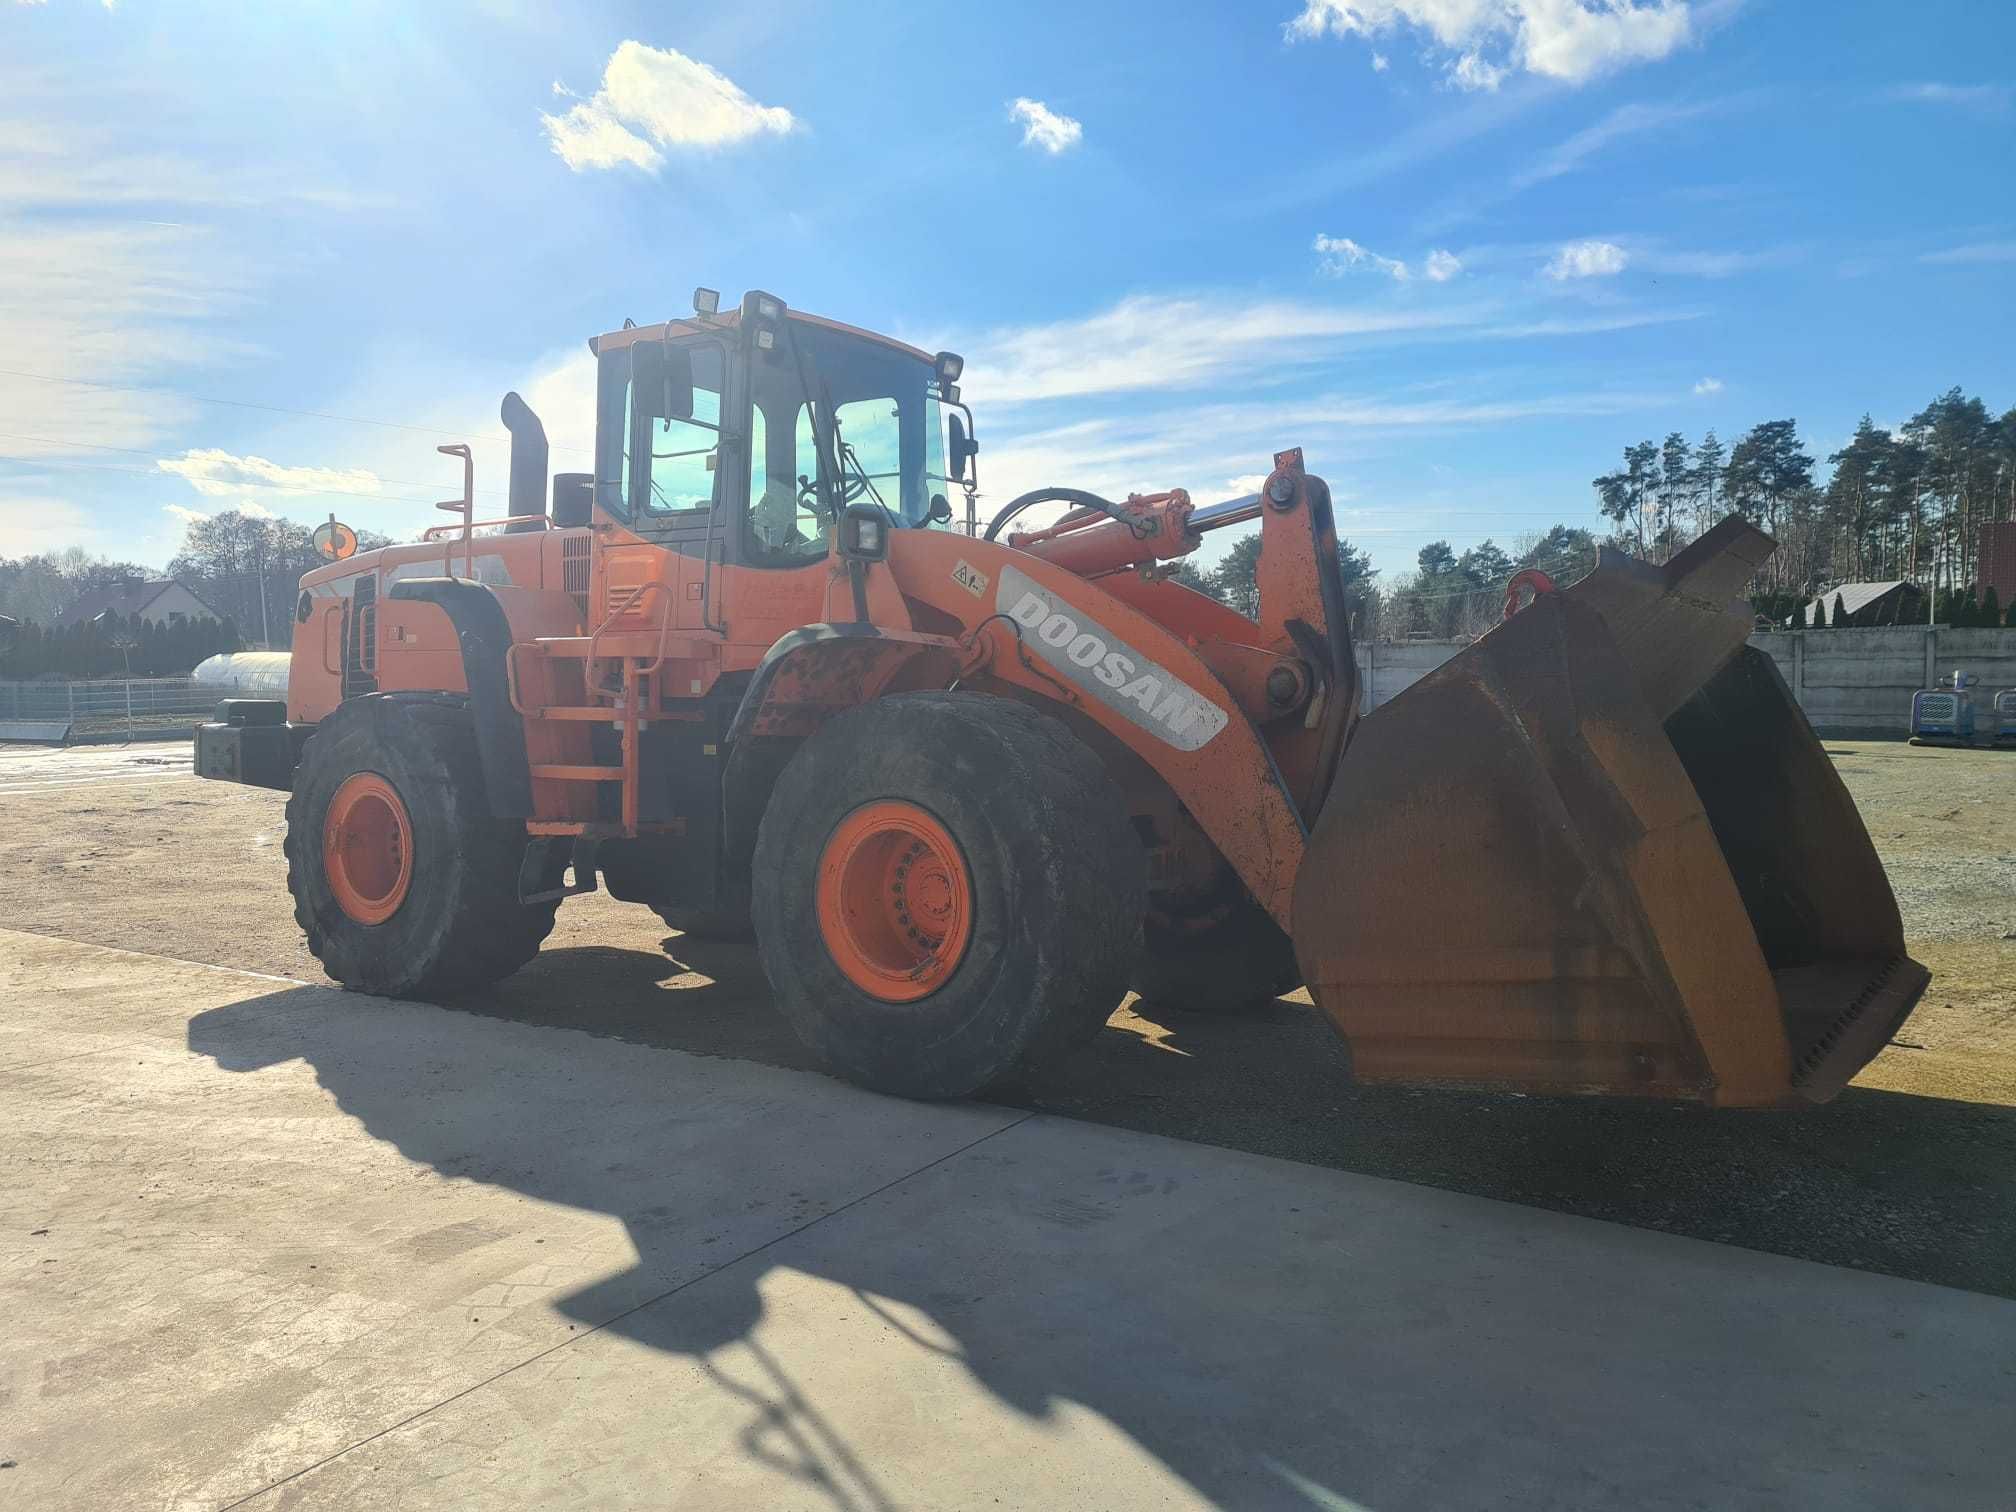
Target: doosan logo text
1148, 694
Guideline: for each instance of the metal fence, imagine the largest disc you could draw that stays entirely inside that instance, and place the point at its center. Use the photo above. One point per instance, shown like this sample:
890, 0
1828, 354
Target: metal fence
111, 703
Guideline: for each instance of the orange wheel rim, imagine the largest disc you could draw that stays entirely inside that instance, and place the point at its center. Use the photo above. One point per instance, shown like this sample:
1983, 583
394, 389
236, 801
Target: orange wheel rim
895, 903
367, 848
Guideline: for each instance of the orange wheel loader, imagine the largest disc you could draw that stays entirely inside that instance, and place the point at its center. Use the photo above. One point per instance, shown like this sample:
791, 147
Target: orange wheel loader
968, 788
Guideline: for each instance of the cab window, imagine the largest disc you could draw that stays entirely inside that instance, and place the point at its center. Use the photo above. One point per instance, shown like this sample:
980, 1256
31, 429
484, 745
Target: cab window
659, 447
885, 407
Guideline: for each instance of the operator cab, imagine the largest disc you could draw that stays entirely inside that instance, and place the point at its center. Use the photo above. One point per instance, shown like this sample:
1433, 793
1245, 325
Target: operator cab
758, 429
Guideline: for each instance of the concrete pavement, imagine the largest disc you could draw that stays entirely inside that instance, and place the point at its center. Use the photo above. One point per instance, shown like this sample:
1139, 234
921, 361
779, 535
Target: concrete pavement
276, 1245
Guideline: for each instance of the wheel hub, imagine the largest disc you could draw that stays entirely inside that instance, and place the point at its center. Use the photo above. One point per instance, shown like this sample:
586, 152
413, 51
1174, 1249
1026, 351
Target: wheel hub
894, 901
367, 848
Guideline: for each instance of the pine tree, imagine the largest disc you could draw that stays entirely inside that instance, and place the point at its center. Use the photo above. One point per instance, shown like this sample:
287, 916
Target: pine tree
1969, 612
1991, 609
1840, 616
1820, 613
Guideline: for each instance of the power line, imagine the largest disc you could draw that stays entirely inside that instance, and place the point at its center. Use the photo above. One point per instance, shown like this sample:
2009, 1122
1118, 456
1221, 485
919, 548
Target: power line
272, 409
135, 451
148, 472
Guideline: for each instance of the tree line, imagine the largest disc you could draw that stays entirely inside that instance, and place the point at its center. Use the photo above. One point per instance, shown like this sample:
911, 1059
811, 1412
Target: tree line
115, 646
1905, 503
1448, 594
1902, 504
247, 567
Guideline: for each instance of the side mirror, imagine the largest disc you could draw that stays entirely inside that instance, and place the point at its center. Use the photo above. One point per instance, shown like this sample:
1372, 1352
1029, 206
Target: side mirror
940, 512
573, 499
661, 380
964, 449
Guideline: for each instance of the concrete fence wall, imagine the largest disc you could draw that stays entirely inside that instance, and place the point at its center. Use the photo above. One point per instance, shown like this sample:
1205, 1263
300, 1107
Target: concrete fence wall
1848, 682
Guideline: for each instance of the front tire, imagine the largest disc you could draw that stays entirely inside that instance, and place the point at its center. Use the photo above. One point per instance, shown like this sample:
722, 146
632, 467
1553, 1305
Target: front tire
946, 890
403, 881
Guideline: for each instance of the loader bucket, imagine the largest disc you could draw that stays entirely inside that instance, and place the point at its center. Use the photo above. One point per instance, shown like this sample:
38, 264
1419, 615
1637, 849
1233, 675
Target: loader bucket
1601, 851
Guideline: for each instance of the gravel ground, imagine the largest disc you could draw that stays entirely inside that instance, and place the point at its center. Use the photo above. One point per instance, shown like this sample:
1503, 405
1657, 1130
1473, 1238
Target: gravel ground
1912, 1171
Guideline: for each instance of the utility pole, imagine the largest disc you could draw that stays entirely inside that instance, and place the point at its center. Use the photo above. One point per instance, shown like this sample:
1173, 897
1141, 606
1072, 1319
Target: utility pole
265, 630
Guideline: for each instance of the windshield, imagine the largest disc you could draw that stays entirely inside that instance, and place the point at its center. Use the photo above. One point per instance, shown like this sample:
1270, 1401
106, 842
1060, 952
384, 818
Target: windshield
888, 424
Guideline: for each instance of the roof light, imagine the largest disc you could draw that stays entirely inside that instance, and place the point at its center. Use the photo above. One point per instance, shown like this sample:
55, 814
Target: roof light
949, 365
706, 301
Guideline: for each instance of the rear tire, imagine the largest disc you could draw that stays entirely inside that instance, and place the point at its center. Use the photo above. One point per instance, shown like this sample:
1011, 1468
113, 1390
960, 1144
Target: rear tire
1029, 868
452, 919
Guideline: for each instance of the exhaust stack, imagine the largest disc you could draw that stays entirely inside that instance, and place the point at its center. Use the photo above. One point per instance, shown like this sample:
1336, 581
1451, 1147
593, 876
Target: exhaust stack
528, 460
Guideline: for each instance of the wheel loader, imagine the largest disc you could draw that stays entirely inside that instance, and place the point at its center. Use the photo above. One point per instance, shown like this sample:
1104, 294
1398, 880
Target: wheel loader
966, 788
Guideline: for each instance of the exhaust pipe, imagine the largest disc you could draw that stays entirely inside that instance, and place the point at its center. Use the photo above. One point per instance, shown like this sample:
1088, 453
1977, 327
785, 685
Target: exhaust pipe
528, 460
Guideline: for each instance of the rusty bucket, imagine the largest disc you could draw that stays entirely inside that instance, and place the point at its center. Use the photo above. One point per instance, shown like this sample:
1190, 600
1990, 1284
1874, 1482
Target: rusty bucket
1601, 851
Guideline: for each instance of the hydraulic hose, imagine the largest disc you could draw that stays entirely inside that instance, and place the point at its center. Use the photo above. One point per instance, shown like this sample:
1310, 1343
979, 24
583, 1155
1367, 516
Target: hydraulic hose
1075, 496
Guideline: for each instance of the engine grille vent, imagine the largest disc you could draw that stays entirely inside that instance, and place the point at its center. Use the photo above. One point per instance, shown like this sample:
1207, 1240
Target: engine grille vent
360, 639
574, 571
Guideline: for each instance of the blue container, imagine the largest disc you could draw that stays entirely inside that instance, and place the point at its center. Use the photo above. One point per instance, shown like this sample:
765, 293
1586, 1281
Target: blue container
1944, 715
2005, 717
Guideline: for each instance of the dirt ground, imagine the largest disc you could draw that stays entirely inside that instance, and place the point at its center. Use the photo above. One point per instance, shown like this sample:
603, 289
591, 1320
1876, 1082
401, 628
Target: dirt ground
1912, 1171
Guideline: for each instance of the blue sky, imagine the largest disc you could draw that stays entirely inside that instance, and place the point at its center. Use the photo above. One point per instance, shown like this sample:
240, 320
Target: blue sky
1462, 251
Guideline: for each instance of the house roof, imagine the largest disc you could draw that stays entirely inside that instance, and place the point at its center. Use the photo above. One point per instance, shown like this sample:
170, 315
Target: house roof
1855, 597
125, 599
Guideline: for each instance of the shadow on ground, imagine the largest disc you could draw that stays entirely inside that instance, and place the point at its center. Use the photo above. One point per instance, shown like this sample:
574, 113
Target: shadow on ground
1252, 1410
1918, 1187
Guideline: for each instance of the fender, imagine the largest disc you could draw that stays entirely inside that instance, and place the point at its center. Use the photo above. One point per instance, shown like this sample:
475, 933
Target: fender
484, 632
811, 674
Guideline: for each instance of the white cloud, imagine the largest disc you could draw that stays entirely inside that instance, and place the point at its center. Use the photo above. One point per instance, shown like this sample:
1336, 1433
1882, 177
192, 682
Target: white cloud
1482, 41
32, 523
1338, 255
1984, 99
1380, 63
1587, 259
1177, 445
1625, 121
1685, 263
652, 98
219, 475
1441, 266
1161, 342
588, 137
1043, 127
100, 315
1708, 386
1976, 252
1471, 72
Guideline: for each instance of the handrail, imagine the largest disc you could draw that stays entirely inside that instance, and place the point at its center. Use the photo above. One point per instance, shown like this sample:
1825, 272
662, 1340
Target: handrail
631, 601
464, 506
433, 532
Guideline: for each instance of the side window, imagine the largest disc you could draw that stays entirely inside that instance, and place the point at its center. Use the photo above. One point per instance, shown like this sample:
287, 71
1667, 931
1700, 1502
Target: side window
669, 462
